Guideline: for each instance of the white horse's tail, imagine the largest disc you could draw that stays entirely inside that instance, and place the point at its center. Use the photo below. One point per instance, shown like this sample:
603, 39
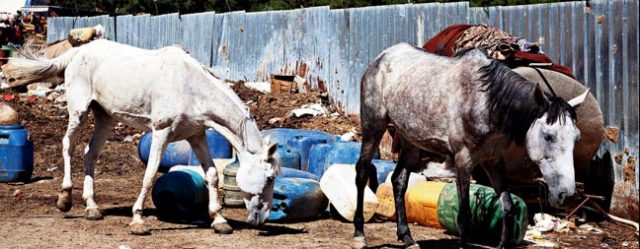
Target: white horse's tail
21, 71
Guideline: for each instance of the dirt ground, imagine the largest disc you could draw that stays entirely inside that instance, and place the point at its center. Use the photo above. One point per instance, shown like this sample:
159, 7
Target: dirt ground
29, 219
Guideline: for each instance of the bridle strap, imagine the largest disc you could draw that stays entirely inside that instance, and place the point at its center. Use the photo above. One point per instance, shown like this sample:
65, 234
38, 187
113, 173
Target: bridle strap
545, 81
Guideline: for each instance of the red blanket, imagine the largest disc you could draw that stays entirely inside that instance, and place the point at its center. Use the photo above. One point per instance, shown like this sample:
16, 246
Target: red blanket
444, 43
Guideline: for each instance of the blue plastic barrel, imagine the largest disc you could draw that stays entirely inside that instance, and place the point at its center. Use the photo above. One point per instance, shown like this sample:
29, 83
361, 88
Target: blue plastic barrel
337, 153
297, 199
294, 173
289, 157
303, 144
383, 168
179, 152
282, 135
180, 194
16, 154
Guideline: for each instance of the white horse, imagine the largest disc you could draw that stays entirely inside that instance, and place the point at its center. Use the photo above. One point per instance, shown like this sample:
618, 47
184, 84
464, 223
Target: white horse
168, 92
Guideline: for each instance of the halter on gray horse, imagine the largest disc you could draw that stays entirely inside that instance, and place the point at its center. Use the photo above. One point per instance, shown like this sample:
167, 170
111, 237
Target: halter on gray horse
474, 108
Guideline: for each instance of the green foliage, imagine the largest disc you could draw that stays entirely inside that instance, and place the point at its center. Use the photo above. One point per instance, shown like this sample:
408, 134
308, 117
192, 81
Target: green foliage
192, 6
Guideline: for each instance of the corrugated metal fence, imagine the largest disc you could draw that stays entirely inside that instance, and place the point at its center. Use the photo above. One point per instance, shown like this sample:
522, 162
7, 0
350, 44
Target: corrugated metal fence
332, 48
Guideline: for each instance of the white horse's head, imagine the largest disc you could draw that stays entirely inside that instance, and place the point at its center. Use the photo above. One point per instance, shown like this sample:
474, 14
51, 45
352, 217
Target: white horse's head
255, 178
550, 141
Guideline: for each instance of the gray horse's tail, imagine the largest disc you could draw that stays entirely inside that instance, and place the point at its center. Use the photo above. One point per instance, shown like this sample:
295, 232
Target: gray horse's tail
21, 71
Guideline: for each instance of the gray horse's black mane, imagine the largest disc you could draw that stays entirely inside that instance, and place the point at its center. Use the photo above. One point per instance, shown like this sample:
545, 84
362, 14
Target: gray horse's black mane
512, 102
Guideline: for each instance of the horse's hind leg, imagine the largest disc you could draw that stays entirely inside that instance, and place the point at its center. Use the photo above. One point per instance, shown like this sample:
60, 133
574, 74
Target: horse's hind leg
101, 133
409, 158
199, 145
374, 124
159, 142
78, 106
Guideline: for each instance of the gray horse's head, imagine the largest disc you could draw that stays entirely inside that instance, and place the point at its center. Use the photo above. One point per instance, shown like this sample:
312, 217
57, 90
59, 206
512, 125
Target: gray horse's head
255, 178
550, 141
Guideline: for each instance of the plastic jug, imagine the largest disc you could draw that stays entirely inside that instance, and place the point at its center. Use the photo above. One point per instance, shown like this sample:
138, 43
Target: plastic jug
303, 144
339, 185
297, 199
288, 156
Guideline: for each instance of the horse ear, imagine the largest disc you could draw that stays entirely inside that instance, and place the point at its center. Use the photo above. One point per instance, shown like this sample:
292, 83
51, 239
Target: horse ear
271, 150
538, 94
578, 100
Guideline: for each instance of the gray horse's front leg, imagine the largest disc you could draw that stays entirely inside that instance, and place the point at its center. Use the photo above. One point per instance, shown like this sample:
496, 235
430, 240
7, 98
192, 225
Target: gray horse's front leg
507, 215
463, 168
496, 175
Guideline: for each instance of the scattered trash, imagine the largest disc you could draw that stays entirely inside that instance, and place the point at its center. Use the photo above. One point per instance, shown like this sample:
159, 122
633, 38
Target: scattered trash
263, 87
10, 97
52, 169
590, 229
275, 120
124, 247
18, 194
300, 84
611, 133
309, 109
39, 89
128, 139
348, 136
544, 222
8, 115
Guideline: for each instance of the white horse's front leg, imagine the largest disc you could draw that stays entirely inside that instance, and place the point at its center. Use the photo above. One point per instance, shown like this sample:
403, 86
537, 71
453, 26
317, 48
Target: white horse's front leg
200, 148
158, 145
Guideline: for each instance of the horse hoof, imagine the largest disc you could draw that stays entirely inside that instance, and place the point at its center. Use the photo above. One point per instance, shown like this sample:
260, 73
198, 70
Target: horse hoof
413, 246
359, 243
138, 229
64, 202
222, 228
93, 214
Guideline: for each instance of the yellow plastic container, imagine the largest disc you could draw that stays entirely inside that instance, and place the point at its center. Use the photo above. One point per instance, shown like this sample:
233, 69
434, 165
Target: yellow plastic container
386, 205
421, 202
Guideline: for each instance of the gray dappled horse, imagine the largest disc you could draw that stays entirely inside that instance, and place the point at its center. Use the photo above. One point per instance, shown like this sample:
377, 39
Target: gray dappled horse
469, 108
